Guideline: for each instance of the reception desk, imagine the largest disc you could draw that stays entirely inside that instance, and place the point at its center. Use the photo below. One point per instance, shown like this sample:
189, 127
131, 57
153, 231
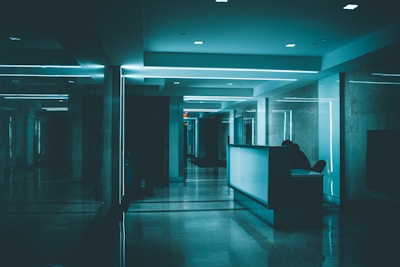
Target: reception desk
264, 183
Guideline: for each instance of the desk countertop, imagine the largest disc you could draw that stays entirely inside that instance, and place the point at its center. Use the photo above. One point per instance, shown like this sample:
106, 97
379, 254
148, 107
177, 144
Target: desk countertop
294, 173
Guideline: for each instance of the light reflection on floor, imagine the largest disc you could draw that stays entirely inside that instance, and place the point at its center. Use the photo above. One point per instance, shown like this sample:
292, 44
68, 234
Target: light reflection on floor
44, 214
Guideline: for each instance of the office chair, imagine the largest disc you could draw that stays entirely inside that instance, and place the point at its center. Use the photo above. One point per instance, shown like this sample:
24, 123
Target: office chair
319, 166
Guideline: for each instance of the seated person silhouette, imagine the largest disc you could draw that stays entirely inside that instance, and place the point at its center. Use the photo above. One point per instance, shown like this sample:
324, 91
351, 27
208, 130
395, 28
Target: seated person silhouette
298, 159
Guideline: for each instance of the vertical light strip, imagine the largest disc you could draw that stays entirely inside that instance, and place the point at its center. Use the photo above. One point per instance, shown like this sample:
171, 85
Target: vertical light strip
10, 140
290, 125
331, 136
122, 238
252, 131
122, 136
284, 125
39, 137
196, 132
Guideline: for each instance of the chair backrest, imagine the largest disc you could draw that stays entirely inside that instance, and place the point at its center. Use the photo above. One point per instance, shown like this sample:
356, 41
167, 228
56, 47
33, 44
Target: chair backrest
319, 166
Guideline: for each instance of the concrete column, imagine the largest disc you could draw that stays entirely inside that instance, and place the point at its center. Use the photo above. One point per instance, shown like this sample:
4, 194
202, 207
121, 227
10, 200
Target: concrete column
113, 137
232, 127
30, 121
262, 122
76, 133
20, 141
176, 157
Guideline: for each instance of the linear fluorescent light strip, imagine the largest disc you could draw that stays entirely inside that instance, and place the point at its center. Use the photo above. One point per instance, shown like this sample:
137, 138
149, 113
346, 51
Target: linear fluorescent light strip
43, 66
55, 108
87, 66
386, 74
45, 75
223, 69
215, 98
36, 96
378, 82
207, 77
200, 110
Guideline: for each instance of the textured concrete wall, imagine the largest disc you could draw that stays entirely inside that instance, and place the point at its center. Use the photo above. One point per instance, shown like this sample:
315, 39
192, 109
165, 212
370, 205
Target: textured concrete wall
304, 117
367, 107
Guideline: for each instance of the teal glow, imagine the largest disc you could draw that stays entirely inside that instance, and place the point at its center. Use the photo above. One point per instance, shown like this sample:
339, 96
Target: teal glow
135, 76
376, 82
45, 75
55, 108
227, 69
201, 110
386, 74
43, 66
36, 96
216, 98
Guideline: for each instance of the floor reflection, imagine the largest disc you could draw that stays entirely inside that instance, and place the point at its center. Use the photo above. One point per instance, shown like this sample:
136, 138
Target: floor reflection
47, 219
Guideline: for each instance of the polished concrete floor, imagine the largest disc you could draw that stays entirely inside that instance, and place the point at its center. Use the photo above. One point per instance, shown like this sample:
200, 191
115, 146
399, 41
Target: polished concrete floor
46, 220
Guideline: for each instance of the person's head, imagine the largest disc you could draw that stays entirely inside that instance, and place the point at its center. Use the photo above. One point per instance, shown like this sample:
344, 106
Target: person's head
287, 143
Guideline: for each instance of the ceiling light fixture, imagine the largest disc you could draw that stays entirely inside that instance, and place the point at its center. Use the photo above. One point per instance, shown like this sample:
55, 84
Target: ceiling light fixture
221, 1
198, 42
14, 38
377, 82
216, 98
221, 69
36, 96
135, 76
201, 110
43, 66
386, 74
45, 75
350, 6
55, 108
290, 45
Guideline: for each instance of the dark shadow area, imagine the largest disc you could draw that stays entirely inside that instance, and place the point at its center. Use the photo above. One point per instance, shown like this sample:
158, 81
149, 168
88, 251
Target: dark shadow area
98, 245
203, 162
374, 228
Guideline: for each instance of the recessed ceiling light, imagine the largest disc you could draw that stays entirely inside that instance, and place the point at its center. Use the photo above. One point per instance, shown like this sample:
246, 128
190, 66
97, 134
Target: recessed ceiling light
221, 1
176, 82
291, 45
350, 6
198, 42
14, 38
